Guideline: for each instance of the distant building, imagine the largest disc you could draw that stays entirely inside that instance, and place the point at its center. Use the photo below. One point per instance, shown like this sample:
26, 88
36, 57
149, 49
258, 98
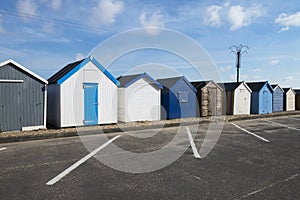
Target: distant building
139, 98
23, 96
297, 99
178, 98
277, 98
261, 97
289, 99
238, 98
210, 98
82, 93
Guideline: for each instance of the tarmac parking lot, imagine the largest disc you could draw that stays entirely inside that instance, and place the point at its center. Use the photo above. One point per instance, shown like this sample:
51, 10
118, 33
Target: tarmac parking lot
252, 159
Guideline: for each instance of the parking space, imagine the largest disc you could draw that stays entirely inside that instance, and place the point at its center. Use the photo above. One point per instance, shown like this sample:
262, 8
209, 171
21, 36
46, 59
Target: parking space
240, 166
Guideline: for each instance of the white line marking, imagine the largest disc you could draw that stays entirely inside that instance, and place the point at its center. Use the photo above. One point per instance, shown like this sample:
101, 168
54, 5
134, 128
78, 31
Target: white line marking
79, 162
259, 137
281, 125
3, 148
195, 151
269, 186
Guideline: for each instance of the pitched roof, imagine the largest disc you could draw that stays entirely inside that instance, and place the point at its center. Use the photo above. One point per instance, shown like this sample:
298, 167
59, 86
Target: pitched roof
170, 82
202, 84
274, 86
19, 66
58, 75
231, 86
126, 81
256, 86
287, 89
297, 91
199, 84
63, 74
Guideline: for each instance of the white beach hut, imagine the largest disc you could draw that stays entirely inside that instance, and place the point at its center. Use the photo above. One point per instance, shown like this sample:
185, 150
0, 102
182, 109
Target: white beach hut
139, 98
289, 99
238, 98
82, 93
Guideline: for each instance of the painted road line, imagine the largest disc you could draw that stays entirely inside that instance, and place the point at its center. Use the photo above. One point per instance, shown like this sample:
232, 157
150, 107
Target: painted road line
296, 129
3, 148
253, 134
78, 163
195, 151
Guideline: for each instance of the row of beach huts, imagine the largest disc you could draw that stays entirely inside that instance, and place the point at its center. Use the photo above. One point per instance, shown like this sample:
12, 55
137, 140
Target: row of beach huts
85, 93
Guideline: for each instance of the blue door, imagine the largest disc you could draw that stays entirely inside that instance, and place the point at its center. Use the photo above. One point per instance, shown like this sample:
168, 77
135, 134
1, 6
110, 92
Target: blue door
266, 102
90, 103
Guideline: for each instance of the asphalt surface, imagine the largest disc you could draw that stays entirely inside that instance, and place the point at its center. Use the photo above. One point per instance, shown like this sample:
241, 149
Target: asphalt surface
240, 166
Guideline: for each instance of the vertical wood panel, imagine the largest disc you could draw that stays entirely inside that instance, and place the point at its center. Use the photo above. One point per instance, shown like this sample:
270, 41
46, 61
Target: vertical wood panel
19, 99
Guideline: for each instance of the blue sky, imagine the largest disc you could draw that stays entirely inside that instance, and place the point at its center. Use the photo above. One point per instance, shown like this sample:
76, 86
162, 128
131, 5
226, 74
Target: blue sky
45, 35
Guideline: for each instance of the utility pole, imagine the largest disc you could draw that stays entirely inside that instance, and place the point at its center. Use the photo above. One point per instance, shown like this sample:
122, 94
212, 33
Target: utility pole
238, 50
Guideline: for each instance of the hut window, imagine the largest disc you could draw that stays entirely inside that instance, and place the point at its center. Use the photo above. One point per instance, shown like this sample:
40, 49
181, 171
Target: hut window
183, 97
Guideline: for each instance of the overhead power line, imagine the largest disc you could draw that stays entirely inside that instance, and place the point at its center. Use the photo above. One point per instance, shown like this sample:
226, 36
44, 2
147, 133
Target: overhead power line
48, 19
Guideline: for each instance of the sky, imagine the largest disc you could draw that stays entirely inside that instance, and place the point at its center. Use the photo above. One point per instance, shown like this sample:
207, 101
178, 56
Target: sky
45, 35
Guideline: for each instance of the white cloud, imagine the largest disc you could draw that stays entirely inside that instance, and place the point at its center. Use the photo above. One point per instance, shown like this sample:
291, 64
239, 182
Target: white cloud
106, 12
79, 56
152, 21
48, 27
288, 80
256, 77
26, 7
225, 68
55, 4
287, 21
227, 4
274, 62
212, 16
240, 17
256, 70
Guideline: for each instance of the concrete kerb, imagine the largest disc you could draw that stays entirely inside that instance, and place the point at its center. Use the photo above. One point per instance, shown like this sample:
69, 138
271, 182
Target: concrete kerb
136, 126
257, 116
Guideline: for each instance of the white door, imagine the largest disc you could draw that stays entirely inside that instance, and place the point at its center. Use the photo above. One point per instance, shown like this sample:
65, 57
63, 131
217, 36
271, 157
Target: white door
242, 102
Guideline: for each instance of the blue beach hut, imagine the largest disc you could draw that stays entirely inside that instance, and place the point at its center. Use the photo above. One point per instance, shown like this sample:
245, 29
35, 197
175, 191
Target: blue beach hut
178, 98
261, 97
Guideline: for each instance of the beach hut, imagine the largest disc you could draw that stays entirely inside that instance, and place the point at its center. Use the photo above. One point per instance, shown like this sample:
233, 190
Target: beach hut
289, 99
297, 99
178, 98
209, 95
238, 98
82, 93
277, 98
138, 98
23, 96
261, 97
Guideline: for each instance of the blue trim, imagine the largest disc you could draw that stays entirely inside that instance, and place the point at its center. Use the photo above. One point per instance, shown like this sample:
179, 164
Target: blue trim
188, 83
109, 75
269, 86
83, 63
73, 71
146, 76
